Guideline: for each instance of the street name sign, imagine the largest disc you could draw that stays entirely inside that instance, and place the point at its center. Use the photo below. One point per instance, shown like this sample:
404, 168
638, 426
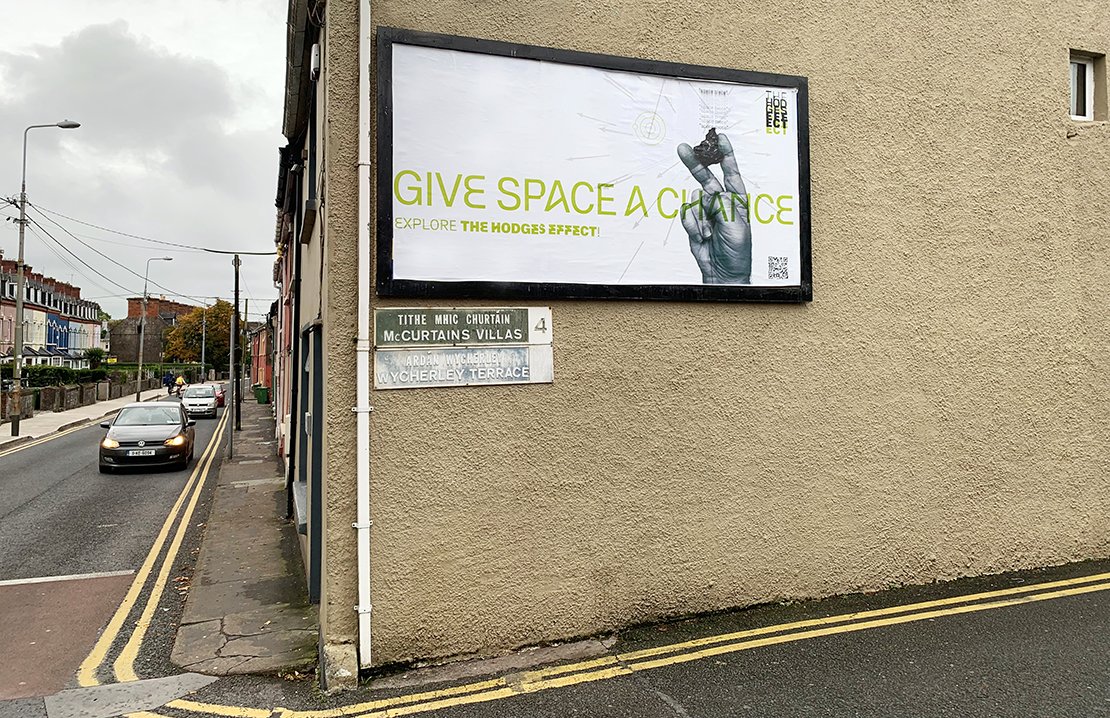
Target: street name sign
424, 347
462, 366
471, 326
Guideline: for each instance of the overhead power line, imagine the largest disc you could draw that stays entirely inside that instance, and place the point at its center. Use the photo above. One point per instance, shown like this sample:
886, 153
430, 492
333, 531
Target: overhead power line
105, 256
151, 239
64, 260
70, 252
131, 245
169, 292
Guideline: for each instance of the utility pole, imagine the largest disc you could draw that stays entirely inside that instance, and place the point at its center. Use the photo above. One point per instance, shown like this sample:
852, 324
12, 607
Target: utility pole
20, 282
231, 382
238, 364
203, 339
142, 325
247, 350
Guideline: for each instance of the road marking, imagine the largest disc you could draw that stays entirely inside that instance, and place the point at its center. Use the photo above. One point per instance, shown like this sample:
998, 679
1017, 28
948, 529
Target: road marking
220, 710
651, 658
628, 663
624, 668
44, 439
841, 618
86, 674
69, 577
124, 666
388, 702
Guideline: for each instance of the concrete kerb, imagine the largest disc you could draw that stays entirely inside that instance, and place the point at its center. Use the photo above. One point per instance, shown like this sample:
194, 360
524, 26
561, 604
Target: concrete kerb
83, 422
18, 441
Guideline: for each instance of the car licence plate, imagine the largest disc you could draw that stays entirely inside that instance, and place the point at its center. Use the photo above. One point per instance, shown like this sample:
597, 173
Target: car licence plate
141, 452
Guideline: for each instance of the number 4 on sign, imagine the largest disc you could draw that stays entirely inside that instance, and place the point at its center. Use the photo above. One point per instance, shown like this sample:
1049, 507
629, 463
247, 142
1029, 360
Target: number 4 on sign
539, 319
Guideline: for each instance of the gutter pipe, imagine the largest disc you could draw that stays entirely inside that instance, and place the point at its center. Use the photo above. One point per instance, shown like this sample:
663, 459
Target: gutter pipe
364, 344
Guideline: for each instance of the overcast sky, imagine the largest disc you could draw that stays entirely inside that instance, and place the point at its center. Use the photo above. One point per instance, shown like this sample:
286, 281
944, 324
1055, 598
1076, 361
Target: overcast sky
180, 105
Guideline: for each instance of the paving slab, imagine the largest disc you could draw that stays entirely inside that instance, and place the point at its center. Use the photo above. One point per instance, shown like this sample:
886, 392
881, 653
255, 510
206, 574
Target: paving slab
216, 600
22, 708
198, 642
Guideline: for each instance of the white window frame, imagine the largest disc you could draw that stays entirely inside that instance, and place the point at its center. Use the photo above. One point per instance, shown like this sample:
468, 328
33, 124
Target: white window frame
1086, 66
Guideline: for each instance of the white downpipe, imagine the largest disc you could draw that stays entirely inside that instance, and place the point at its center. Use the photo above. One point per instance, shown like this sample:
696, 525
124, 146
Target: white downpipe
364, 345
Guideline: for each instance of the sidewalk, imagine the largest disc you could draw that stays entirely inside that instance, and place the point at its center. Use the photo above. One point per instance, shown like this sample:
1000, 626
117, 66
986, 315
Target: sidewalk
247, 610
48, 422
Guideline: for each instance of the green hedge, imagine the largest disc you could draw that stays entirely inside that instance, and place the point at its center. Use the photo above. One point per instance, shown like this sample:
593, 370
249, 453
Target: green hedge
43, 375
54, 375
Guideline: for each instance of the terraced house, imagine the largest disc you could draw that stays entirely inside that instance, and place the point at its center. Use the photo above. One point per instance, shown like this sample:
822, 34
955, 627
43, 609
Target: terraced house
59, 326
802, 302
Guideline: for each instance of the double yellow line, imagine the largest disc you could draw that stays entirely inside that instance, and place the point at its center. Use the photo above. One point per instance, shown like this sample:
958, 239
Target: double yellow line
631, 662
124, 665
48, 437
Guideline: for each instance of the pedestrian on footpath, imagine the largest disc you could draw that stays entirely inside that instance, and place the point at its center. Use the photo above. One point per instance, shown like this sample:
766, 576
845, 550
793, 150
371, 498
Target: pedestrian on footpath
167, 381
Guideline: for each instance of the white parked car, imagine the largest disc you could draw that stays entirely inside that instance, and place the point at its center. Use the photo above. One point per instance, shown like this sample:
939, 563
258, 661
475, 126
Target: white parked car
200, 400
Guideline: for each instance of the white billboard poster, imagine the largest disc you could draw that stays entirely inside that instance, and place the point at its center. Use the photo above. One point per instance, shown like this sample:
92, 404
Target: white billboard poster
516, 171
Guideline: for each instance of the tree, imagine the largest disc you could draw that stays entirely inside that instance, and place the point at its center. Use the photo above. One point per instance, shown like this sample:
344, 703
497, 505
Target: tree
95, 355
183, 341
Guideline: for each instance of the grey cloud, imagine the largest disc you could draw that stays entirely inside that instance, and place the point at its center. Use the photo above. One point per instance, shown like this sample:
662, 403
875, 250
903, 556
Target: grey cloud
129, 93
168, 167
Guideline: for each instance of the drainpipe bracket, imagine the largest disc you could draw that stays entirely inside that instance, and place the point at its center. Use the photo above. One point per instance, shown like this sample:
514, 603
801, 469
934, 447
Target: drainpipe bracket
362, 409
362, 610
357, 525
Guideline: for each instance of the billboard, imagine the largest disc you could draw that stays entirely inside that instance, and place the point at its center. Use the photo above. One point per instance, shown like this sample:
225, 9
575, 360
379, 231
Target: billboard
513, 171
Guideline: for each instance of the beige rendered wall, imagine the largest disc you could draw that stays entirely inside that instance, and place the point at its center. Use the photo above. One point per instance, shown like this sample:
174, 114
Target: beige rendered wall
938, 410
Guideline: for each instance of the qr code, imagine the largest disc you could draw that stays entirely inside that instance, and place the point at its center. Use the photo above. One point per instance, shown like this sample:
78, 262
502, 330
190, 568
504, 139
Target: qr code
777, 268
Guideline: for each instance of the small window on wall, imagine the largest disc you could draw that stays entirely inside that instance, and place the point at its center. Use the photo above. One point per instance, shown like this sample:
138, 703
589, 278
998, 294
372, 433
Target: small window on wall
1082, 80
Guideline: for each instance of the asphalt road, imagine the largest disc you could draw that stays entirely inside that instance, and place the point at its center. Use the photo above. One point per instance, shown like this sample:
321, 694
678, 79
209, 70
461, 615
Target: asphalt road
1023, 644
59, 515
61, 518
1046, 658
1034, 643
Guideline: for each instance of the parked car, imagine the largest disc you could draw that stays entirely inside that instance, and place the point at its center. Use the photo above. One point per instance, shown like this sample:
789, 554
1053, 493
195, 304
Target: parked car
148, 434
200, 400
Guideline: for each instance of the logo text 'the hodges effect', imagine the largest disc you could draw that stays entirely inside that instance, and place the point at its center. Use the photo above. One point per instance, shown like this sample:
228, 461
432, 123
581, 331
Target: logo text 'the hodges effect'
776, 113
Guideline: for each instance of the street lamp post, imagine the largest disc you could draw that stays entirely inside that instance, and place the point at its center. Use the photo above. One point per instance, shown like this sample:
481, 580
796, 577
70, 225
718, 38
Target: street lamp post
17, 351
142, 324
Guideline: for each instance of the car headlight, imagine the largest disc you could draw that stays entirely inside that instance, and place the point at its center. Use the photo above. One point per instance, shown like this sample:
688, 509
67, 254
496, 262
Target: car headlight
109, 443
178, 440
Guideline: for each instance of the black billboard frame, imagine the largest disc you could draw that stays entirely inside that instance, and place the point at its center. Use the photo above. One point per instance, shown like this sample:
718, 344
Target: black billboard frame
389, 286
